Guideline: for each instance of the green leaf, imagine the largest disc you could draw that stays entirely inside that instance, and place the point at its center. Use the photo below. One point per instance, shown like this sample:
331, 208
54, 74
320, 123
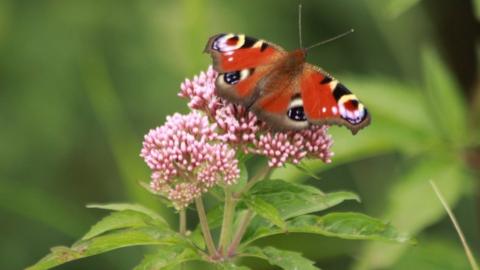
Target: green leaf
284, 259
168, 257
342, 225
129, 206
104, 243
291, 199
121, 220
444, 98
303, 167
231, 266
265, 210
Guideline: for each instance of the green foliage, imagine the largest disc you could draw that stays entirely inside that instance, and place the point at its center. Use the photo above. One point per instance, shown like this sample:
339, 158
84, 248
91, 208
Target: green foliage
284, 259
120, 220
291, 200
265, 210
133, 225
127, 227
353, 226
167, 258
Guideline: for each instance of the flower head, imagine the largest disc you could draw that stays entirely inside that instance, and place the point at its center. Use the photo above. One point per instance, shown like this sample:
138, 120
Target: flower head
186, 158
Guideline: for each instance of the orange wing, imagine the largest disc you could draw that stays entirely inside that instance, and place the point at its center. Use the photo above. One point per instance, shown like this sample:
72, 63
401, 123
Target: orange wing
235, 52
242, 62
326, 101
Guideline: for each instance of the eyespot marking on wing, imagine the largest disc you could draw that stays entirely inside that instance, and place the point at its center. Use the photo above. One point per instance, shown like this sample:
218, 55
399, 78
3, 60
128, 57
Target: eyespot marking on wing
234, 77
230, 42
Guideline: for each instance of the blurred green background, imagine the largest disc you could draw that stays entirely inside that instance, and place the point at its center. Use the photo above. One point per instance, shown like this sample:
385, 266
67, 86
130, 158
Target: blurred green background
82, 81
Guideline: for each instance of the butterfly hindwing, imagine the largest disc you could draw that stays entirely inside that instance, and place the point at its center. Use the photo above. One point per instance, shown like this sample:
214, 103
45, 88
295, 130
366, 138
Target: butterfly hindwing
327, 101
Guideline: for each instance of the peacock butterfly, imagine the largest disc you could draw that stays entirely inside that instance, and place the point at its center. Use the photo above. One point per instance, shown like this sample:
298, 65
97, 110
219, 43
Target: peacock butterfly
280, 87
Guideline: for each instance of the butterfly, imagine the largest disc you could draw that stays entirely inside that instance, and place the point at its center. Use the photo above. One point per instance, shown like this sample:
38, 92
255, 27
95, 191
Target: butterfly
280, 87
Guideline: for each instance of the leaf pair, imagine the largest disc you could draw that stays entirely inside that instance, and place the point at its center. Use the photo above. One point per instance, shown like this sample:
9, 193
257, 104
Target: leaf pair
130, 225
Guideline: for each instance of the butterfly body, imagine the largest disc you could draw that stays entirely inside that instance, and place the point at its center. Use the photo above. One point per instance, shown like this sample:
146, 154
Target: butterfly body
281, 87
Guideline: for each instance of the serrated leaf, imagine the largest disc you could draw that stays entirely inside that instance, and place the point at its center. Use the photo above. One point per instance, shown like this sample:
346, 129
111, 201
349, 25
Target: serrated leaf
108, 242
444, 98
265, 210
121, 220
168, 257
128, 206
353, 226
284, 259
291, 199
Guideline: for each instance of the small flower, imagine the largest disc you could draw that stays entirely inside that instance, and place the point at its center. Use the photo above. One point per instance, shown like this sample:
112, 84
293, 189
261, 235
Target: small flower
186, 158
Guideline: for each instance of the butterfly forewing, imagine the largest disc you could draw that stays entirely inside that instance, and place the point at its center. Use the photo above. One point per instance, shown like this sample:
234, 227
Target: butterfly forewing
242, 62
235, 52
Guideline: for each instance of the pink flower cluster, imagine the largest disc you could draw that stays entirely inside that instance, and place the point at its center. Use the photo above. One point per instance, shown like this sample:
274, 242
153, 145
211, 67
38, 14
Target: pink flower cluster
241, 128
191, 153
186, 158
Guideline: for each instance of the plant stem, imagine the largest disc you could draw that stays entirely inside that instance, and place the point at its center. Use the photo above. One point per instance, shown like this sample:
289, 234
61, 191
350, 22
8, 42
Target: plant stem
228, 214
183, 222
468, 252
240, 232
202, 216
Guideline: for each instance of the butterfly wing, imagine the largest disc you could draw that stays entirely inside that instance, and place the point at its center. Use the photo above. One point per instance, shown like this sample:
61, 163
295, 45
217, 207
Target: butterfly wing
294, 101
327, 101
241, 62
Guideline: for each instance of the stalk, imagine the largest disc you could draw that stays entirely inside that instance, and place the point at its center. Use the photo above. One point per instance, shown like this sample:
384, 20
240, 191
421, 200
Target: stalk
202, 216
240, 232
228, 214
183, 222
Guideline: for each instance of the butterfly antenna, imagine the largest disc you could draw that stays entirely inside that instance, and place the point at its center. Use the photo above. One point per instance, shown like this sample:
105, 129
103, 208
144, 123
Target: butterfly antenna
330, 39
300, 25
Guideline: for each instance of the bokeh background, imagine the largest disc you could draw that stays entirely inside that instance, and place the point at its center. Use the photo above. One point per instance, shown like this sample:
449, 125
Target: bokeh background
82, 81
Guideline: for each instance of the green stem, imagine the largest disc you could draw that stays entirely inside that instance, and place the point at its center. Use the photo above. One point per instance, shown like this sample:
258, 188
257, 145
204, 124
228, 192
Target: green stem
228, 214
240, 232
202, 216
183, 222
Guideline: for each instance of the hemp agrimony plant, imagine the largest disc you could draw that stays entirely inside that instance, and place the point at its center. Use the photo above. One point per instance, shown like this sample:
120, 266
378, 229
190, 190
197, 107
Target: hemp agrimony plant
203, 152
